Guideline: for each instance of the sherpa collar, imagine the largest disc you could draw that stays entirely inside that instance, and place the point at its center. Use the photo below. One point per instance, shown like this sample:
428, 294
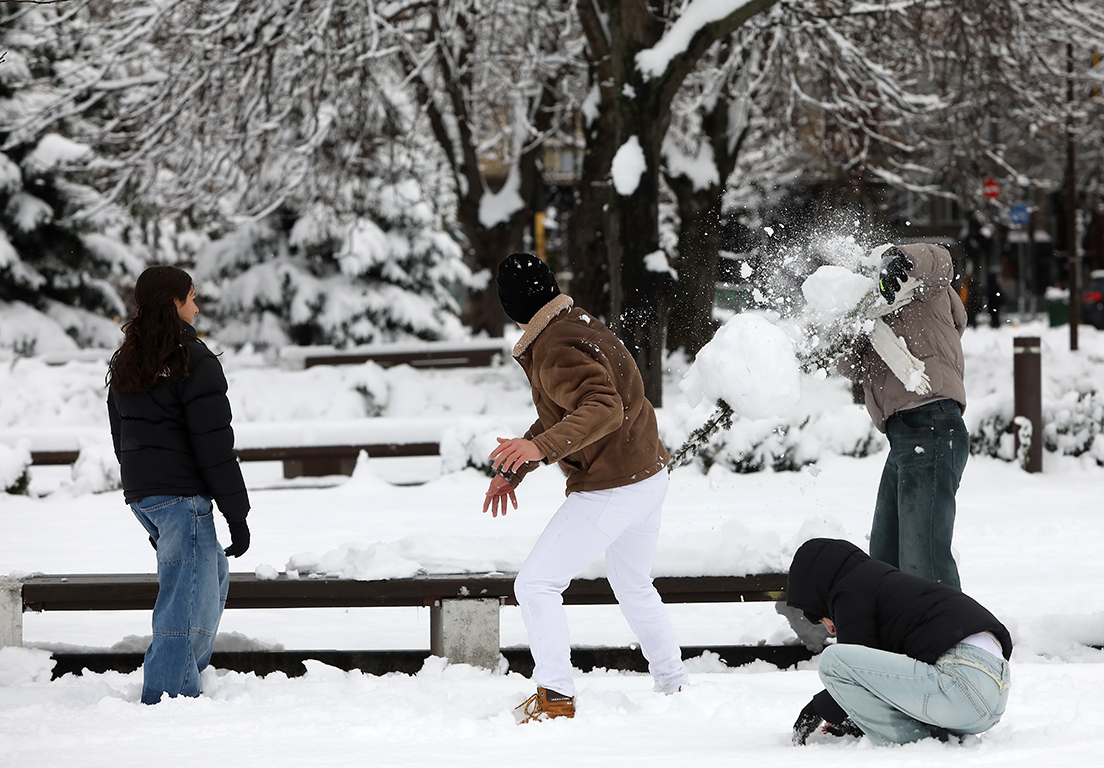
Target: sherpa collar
541, 320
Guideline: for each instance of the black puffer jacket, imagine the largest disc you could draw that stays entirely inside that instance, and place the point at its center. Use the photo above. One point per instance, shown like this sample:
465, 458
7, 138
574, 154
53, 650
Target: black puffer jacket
876, 605
176, 439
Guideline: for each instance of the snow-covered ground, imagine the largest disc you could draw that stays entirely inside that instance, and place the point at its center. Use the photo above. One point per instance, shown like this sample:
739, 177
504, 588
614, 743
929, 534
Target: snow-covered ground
1028, 548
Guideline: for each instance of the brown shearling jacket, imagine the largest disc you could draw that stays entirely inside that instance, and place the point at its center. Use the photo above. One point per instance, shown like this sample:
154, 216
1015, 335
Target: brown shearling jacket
592, 415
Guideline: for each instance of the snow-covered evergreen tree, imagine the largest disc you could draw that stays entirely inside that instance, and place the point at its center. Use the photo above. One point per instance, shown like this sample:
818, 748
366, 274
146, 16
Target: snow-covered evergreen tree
276, 137
316, 277
64, 251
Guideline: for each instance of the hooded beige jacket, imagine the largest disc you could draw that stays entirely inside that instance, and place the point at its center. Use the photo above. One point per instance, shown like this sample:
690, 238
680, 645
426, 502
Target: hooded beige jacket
931, 325
592, 415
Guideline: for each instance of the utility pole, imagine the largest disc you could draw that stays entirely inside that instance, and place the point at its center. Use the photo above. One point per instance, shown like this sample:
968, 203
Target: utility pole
1071, 208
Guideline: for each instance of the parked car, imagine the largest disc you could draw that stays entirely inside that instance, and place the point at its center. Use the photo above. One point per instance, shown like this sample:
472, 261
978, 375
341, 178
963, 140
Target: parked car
1092, 300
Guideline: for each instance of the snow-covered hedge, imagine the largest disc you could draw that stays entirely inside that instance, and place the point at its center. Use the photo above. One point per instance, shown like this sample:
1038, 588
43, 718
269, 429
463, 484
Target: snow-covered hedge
1073, 403
825, 420
1073, 426
13, 468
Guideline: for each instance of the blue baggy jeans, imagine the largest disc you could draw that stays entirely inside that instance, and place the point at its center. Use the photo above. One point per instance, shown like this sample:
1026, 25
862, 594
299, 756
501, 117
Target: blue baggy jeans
915, 511
192, 575
896, 699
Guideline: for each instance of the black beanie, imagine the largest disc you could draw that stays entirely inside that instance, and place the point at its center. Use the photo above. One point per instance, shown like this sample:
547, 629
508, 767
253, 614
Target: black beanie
525, 284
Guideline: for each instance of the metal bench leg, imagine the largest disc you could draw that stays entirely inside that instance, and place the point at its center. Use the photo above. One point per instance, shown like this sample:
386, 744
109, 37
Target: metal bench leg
466, 631
11, 613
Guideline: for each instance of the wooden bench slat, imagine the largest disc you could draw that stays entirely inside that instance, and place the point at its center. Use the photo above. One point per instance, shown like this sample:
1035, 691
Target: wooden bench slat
447, 358
378, 450
139, 591
48, 458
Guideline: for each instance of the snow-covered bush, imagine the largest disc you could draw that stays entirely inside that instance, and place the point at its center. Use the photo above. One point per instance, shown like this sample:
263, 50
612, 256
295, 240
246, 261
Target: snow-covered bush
790, 443
1074, 424
1072, 402
824, 421
13, 468
96, 470
468, 444
993, 436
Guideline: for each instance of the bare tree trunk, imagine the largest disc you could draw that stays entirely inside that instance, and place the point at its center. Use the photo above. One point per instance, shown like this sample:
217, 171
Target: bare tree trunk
701, 234
483, 312
641, 108
639, 309
691, 323
590, 280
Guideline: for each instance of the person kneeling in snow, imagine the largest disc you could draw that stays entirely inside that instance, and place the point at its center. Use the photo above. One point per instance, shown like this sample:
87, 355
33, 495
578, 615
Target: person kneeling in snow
914, 657
594, 420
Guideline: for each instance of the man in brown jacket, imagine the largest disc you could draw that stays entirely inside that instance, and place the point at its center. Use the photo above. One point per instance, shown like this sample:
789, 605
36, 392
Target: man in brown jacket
928, 442
594, 420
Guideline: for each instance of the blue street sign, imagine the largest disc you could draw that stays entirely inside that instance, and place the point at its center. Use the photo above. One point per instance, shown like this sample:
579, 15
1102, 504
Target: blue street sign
1019, 215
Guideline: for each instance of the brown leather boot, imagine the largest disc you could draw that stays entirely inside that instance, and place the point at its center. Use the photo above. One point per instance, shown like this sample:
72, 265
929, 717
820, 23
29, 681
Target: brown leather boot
546, 704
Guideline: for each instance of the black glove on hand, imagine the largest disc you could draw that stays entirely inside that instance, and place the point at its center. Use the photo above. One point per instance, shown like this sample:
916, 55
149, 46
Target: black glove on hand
894, 271
239, 539
807, 722
847, 728
153, 543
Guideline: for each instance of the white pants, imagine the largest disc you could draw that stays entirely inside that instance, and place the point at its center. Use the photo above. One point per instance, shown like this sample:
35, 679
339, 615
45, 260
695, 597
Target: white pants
623, 522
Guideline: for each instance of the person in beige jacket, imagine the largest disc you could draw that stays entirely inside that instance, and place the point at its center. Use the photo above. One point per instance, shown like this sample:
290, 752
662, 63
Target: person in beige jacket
594, 420
915, 509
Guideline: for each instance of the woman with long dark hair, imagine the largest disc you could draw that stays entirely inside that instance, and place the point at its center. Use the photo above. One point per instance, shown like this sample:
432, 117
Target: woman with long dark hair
170, 422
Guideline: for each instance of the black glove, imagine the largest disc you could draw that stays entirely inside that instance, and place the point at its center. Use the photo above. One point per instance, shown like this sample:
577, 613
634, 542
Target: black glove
239, 539
847, 728
807, 722
894, 271
153, 543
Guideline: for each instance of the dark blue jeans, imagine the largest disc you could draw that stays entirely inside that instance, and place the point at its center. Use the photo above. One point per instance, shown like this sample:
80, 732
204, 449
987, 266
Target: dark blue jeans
915, 511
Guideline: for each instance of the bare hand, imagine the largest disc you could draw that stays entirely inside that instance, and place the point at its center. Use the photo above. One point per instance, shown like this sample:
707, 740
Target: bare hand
497, 494
512, 454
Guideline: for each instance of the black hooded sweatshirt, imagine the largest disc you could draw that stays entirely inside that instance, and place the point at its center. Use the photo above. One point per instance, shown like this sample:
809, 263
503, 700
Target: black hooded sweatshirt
876, 605
176, 439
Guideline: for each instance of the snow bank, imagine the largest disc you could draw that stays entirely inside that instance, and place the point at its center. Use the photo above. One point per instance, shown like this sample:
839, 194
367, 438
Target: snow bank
20, 666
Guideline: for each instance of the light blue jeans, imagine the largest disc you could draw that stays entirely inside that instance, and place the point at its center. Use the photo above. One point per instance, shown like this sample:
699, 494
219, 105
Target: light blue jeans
896, 699
192, 576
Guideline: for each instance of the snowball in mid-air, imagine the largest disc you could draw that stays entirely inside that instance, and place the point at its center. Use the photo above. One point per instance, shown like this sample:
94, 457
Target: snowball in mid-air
834, 291
750, 364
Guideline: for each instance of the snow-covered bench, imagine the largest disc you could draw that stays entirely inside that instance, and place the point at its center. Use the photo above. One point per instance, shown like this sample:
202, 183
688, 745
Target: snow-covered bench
466, 353
464, 621
299, 461
307, 448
